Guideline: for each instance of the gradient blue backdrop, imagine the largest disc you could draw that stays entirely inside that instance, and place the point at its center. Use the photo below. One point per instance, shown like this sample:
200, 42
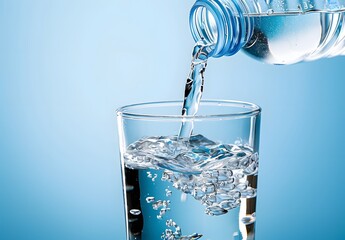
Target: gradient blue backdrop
65, 66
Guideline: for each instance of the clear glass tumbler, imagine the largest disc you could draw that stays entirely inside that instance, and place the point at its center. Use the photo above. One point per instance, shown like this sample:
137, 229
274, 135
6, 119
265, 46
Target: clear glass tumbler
202, 187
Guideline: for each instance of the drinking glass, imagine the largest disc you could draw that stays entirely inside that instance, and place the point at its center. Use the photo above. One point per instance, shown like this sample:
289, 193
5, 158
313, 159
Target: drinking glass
198, 187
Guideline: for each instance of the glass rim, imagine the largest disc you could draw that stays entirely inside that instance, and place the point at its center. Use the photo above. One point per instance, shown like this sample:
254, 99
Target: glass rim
248, 110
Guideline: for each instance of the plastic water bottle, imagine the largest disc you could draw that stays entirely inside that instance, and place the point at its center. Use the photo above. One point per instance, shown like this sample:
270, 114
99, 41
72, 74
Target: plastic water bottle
276, 31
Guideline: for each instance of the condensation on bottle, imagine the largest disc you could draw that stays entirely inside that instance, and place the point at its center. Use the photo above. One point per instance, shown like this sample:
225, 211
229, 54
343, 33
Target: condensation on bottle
275, 32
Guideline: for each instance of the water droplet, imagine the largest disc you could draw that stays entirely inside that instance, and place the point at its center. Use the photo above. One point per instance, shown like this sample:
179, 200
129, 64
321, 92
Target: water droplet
238, 142
135, 211
270, 11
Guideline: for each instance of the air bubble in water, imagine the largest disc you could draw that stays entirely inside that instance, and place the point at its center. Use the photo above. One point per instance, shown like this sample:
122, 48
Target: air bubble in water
208, 188
198, 193
157, 204
150, 199
241, 186
239, 175
163, 211
165, 176
154, 177
227, 205
248, 219
183, 197
170, 223
249, 193
166, 203
215, 211
168, 192
177, 231
168, 232
193, 236
236, 236
236, 194
135, 211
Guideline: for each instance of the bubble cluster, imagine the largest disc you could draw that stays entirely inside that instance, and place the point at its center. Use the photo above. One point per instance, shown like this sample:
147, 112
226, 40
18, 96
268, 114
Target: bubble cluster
169, 234
163, 207
160, 205
214, 174
219, 190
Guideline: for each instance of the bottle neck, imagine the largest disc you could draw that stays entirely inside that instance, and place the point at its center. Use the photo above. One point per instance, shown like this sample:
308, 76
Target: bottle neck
223, 23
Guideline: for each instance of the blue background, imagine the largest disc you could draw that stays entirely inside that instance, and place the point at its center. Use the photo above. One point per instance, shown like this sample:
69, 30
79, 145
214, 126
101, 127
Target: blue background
65, 66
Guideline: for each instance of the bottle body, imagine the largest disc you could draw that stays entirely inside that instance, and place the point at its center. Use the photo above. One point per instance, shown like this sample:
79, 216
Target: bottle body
271, 36
288, 39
